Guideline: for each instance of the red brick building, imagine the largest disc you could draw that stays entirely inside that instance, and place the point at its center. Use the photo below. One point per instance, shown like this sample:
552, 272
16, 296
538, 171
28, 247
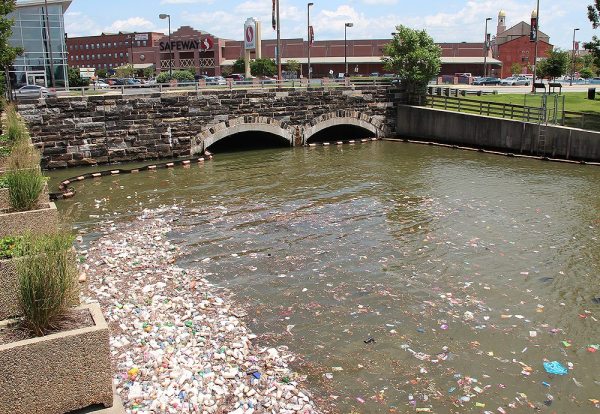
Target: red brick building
512, 46
208, 54
111, 50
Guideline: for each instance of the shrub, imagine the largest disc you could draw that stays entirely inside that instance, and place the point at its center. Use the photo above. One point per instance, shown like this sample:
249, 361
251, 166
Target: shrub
179, 75
8, 246
16, 131
23, 155
24, 187
47, 280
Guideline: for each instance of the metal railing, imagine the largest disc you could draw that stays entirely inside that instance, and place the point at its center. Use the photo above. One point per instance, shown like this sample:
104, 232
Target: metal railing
493, 109
229, 84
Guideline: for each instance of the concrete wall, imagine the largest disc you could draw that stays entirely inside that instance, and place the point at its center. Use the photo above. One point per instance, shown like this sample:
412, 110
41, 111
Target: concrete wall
494, 133
73, 131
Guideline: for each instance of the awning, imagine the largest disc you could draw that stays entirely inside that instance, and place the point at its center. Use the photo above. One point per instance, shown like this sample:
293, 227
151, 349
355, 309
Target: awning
353, 60
137, 66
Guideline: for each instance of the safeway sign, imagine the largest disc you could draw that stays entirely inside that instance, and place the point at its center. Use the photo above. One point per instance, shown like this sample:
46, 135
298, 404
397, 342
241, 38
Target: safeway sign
250, 34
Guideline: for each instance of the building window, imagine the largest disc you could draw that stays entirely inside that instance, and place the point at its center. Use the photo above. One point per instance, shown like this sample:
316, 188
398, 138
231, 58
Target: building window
121, 54
87, 46
97, 45
144, 43
87, 57
103, 45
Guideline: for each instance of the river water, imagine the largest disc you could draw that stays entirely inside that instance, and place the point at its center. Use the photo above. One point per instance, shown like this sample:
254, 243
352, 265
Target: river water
404, 276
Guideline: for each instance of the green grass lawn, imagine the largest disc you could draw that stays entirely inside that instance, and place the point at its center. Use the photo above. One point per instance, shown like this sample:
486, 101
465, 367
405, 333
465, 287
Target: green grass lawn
574, 101
587, 112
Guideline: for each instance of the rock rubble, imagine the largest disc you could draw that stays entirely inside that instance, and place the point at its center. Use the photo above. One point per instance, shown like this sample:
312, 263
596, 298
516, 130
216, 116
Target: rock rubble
178, 343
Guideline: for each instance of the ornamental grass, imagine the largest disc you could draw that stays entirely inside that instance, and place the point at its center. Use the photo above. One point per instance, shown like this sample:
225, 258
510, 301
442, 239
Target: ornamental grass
47, 280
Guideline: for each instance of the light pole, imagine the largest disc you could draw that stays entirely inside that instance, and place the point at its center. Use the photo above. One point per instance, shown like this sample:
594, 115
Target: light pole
308, 37
536, 31
573, 63
346, 26
278, 46
49, 44
485, 47
168, 16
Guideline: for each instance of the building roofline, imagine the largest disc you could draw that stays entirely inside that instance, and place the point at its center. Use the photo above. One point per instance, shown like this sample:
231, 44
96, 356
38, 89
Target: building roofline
29, 3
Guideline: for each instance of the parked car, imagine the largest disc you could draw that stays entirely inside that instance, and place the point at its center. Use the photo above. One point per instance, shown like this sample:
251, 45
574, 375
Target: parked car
132, 83
33, 91
487, 81
115, 81
100, 85
236, 77
215, 80
515, 80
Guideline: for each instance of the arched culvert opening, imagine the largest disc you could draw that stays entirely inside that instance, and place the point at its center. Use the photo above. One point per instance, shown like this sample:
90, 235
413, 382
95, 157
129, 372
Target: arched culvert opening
248, 140
343, 132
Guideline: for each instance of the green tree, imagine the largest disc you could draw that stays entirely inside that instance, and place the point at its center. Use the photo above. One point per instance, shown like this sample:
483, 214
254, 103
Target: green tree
75, 80
293, 66
263, 67
516, 68
125, 71
594, 45
8, 54
586, 73
102, 73
413, 56
555, 65
239, 66
149, 72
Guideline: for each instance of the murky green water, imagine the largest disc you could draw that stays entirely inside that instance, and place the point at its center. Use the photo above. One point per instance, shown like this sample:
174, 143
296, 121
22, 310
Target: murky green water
466, 269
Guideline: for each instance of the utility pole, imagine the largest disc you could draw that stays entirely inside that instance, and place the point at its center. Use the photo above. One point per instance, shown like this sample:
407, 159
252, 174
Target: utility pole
278, 46
485, 47
309, 38
573, 60
537, 35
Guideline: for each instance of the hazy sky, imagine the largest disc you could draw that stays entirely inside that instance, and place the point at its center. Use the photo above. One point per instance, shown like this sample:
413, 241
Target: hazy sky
446, 21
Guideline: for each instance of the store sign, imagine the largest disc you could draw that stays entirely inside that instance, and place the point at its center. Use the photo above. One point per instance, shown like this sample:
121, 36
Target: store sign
203, 45
141, 36
250, 34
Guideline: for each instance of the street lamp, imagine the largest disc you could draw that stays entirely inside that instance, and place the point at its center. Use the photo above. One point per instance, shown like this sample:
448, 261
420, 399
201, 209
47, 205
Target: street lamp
536, 31
573, 64
308, 37
346, 26
163, 17
485, 47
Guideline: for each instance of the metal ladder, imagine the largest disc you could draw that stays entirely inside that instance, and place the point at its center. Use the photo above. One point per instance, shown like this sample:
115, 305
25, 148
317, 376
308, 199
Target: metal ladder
542, 124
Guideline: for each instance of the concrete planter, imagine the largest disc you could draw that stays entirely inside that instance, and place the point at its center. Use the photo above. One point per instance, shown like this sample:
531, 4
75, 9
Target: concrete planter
41, 221
9, 294
57, 373
43, 199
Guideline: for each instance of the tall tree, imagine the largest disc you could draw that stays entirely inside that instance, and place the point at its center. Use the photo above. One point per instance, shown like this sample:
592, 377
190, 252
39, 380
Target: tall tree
594, 45
555, 65
263, 67
8, 53
413, 56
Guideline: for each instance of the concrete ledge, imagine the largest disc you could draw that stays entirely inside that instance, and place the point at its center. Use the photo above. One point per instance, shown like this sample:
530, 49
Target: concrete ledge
42, 221
5, 199
58, 373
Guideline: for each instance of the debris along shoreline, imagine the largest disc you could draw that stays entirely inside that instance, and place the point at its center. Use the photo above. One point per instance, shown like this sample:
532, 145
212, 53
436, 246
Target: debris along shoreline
177, 342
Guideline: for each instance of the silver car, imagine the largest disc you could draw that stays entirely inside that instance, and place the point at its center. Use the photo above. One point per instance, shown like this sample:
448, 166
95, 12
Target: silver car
515, 81
33, 92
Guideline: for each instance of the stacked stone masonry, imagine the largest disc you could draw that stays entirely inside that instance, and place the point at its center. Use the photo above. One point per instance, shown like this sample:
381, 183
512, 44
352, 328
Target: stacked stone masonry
74, 131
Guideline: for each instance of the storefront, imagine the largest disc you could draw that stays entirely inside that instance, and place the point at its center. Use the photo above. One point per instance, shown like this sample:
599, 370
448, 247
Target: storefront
44, 60
189, 49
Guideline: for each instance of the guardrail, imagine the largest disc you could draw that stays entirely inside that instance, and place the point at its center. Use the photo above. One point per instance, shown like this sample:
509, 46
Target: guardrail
494, 109
203, 85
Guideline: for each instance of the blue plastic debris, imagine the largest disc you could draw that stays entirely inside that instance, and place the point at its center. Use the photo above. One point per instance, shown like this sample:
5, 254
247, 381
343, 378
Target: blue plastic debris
555, 367
256, 375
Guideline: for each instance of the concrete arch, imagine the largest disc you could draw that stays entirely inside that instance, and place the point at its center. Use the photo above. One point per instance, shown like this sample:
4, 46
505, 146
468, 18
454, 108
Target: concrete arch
222, 130
373, 124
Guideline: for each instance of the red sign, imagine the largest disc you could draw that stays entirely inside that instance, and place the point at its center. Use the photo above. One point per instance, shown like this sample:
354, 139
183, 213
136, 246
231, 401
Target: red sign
249, 34
207, 43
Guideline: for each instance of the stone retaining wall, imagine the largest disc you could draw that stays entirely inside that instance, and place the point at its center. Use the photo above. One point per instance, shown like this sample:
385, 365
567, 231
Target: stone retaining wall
73, 131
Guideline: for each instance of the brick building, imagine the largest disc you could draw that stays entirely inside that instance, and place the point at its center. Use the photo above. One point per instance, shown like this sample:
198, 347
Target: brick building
512, 46
207, 54
111, 50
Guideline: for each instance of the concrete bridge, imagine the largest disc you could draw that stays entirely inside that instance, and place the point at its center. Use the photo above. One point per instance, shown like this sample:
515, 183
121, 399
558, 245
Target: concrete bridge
74, 131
